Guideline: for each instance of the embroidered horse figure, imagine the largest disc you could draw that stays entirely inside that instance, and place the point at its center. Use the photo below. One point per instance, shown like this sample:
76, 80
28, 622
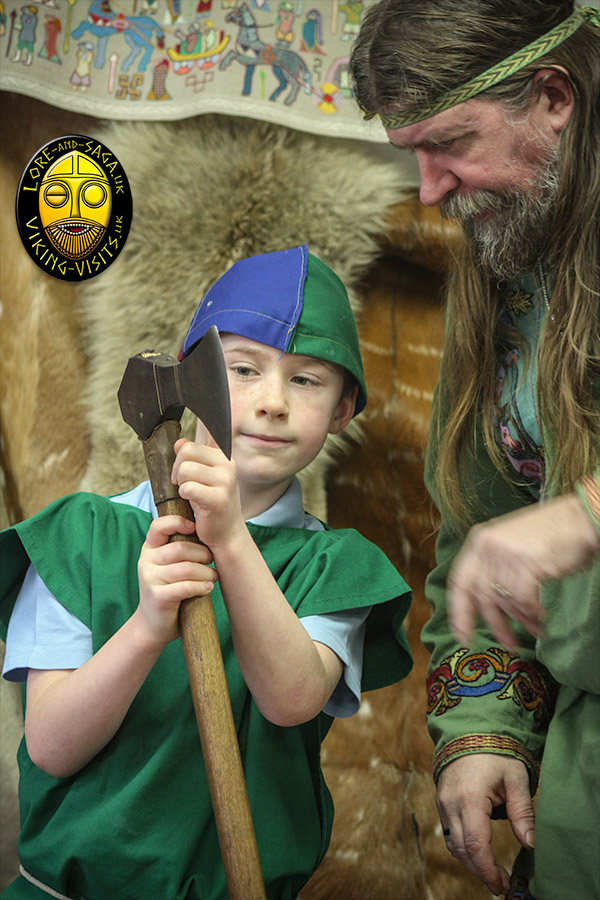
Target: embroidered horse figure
102, 22
288, 67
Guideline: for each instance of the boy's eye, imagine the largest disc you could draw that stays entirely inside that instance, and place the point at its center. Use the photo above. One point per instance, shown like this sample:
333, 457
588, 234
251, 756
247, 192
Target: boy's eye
243, 371
303, 380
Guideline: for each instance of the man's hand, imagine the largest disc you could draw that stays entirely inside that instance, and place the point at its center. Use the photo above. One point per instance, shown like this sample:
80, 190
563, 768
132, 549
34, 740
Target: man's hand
498, 573
468, 789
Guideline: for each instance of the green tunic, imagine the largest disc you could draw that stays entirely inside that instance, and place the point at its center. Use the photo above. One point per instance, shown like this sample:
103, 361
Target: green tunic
136, 822
530, 705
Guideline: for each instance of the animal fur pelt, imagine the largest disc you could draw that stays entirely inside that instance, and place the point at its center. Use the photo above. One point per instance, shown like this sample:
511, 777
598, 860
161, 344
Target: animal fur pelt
207, 192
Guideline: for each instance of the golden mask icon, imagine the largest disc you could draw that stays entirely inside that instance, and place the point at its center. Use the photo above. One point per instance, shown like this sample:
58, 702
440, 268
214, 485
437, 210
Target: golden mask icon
75, 204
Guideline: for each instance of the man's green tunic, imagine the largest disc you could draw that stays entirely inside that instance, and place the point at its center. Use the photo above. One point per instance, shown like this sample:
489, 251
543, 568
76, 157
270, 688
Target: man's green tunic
136, 822
541, 706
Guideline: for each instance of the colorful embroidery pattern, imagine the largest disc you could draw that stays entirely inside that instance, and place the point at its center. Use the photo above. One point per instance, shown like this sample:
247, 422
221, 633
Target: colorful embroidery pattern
163, 59
516, 414
518, 301
483, 743
495, 671
517, 423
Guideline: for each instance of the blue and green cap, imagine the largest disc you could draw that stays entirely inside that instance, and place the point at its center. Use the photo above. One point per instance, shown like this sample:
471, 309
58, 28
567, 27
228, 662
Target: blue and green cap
290, 300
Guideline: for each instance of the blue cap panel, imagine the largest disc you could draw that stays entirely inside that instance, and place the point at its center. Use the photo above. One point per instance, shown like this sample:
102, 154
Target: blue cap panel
259, 298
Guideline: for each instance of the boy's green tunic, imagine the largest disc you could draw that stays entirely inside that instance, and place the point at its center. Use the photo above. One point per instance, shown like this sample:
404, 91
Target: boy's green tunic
136, 822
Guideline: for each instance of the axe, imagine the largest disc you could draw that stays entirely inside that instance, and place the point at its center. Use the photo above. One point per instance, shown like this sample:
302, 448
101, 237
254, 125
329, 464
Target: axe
153, 394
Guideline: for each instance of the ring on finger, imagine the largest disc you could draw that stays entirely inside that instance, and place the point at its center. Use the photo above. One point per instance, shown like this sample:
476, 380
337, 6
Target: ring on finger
502, 591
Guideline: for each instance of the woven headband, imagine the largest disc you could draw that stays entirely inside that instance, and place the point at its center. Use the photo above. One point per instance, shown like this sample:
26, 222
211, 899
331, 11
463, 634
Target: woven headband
501, 71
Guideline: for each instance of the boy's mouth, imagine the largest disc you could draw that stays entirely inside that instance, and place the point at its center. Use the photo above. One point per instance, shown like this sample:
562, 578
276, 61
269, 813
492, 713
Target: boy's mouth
271, 440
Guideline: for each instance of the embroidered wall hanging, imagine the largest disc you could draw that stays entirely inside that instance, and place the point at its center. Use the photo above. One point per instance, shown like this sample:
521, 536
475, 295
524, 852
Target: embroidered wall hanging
283, 61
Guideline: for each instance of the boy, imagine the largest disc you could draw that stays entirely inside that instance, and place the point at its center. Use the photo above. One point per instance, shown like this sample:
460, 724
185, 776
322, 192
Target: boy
114, 797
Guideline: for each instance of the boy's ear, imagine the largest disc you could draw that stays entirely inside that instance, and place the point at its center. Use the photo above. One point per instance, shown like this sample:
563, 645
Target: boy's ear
344, 411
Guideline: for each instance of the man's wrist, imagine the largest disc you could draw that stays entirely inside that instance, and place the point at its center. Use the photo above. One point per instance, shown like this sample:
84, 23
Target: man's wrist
486, 743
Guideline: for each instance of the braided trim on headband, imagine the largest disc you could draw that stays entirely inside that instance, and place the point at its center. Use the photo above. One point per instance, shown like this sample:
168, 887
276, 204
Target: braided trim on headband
499, 72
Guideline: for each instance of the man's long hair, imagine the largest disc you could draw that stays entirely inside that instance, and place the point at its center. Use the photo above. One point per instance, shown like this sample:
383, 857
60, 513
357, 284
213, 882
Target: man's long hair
409, 53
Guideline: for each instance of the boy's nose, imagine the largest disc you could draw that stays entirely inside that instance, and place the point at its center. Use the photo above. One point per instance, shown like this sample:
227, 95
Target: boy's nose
273, 400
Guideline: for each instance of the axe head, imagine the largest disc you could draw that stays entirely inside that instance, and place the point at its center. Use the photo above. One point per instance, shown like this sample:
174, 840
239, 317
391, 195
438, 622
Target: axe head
156, 388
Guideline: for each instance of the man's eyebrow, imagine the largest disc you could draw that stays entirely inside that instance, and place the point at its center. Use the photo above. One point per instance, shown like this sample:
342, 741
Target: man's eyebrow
434, 138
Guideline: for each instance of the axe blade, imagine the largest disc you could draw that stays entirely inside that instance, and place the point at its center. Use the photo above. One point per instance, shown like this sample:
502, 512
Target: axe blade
156, 388
205, 388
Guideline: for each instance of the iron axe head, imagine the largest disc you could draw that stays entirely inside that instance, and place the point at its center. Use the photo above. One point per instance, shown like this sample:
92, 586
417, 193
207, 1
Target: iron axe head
156, 388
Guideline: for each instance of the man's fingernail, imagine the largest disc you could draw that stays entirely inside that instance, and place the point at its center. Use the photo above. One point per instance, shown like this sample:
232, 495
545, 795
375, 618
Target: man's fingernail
530, 838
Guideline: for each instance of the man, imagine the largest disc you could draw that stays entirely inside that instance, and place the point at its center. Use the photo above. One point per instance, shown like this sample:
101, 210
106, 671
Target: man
500, 102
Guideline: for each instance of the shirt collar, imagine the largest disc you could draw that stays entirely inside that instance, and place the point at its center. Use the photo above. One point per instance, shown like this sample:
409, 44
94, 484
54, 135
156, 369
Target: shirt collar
287, 512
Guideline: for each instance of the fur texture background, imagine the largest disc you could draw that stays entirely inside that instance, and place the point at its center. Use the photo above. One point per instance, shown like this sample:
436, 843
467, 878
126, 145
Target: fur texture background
207, 192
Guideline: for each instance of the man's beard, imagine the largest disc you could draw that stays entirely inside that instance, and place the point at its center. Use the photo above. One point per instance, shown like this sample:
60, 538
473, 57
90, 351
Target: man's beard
513, 238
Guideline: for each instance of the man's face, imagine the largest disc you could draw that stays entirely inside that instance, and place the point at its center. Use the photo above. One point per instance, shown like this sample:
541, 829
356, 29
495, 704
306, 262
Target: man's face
497, 176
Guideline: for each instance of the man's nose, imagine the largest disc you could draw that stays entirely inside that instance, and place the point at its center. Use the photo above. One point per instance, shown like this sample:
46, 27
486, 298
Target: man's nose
437, 180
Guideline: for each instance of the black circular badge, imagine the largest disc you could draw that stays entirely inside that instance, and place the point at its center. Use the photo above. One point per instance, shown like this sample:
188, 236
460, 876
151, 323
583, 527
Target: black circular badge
74, 207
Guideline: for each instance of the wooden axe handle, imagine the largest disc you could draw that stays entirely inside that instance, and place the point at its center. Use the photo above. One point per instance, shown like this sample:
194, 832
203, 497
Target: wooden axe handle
212, 705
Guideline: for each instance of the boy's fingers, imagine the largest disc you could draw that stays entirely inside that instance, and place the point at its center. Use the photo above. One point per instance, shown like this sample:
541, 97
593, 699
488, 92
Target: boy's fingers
162, 528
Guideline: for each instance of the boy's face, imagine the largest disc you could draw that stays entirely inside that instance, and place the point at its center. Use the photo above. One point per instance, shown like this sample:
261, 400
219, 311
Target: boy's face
283, 406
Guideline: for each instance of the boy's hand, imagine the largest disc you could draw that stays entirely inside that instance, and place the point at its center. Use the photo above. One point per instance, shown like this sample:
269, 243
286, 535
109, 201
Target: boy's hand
208, 480
169, 573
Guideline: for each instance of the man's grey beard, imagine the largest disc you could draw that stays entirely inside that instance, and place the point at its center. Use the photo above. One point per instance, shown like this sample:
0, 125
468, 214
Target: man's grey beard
514, 237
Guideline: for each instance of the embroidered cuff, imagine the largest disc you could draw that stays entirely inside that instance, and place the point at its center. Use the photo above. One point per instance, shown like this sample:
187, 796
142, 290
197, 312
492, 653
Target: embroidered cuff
588, 491
474, 675
486, 743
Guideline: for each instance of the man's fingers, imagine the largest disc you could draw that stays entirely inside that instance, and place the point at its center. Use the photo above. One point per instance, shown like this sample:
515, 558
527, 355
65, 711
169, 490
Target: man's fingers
473, 849
461, 614
497, 622
519, 809
479, 859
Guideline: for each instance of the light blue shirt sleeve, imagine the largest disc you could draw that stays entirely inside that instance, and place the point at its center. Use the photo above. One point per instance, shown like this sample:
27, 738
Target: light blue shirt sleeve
344, 633
42, 633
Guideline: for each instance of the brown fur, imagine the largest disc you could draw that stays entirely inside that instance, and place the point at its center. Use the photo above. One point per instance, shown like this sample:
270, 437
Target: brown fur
386, 842
232, 188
